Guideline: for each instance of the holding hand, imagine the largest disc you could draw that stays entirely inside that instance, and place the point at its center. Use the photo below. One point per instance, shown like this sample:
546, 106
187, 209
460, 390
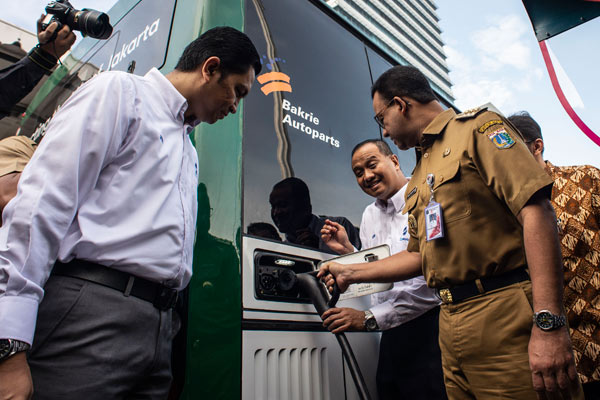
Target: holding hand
332, 272
335, 237
339, 320
59, 45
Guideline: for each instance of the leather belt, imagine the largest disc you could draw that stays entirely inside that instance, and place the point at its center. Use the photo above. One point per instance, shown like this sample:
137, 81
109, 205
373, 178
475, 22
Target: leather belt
162, 297
482, 285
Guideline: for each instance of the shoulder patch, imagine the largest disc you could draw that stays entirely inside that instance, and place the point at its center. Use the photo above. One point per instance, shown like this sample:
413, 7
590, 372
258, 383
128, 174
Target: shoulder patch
470, 113
501, 138
493, 122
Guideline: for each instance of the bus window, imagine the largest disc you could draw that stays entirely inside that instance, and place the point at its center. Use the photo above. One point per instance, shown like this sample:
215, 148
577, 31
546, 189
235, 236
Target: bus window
306, 124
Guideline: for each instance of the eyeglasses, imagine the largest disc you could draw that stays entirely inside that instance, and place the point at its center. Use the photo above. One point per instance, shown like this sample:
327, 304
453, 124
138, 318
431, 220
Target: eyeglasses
379, 116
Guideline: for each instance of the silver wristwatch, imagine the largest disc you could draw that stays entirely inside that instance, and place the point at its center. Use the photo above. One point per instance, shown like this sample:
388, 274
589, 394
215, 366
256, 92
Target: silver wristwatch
370, 322
8, 347
547, 321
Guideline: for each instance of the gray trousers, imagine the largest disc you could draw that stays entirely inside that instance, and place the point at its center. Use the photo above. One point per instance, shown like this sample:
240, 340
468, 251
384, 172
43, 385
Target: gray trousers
91, 342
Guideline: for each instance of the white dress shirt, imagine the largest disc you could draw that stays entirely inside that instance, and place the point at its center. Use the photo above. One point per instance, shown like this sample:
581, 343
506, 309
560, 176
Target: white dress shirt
114, 181
384, 223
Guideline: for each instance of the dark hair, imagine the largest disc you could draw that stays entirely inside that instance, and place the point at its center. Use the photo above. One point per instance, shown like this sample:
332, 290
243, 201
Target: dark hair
298, 189
526, 125
234, 49
383, 147
403, 80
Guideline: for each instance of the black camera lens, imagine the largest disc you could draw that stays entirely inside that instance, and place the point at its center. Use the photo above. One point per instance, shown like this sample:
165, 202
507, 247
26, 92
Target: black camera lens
92, 23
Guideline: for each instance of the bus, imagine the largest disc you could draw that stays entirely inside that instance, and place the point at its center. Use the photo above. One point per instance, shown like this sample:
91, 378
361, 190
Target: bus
243, 333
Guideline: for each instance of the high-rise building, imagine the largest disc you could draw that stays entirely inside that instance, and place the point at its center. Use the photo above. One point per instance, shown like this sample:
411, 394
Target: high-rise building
407, 30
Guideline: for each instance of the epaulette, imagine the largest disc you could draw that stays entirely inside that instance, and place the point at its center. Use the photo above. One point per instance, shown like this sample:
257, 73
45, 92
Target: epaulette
470, 113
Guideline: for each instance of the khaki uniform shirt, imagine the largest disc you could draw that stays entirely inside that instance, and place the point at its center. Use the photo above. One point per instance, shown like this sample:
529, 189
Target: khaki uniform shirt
15, 153
483, 175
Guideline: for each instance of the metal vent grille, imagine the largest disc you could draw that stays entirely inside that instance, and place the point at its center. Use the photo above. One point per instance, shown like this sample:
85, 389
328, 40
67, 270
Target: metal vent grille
291, 374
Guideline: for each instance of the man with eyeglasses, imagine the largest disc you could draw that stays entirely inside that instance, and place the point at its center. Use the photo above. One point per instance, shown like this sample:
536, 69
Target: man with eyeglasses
483, 233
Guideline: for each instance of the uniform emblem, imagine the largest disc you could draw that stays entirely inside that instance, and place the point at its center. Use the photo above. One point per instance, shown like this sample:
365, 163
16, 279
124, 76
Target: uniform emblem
412, 193
470, 113
493, 122
412, 225
501, 138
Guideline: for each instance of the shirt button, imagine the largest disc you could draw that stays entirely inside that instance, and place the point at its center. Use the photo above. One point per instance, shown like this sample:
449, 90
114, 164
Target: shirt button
425, 155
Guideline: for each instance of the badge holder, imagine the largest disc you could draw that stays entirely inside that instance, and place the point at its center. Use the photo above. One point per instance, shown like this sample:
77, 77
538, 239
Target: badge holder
434, 221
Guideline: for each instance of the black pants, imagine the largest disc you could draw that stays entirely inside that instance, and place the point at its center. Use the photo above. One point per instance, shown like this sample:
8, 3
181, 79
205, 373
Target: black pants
410, 362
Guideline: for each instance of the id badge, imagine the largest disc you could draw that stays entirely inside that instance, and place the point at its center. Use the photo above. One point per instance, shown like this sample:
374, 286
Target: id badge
434, 222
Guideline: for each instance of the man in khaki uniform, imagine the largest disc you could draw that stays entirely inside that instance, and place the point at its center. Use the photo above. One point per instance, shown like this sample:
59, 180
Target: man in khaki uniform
480, 224
15, 153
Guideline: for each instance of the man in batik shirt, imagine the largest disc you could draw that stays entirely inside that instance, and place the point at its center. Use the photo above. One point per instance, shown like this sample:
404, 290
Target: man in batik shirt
576, 200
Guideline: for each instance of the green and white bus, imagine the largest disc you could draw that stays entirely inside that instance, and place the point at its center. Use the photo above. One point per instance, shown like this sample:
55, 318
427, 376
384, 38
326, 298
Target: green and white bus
243, 335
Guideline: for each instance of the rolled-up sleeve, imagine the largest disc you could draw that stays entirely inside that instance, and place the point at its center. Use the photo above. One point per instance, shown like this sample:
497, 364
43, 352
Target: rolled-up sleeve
82, 138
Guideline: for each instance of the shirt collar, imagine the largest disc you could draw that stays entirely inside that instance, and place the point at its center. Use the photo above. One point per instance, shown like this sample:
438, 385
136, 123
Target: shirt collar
174, 100
438, 124
394, 204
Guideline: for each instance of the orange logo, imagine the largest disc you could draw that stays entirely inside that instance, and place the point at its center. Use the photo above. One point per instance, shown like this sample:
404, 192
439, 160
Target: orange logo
277, 82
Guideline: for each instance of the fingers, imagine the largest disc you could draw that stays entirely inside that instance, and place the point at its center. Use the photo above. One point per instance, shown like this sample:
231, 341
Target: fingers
323, 270
563, 382
44, 36
39, 23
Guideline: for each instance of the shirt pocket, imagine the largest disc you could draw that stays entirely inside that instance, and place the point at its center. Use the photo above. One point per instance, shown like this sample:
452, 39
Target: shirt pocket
449, 190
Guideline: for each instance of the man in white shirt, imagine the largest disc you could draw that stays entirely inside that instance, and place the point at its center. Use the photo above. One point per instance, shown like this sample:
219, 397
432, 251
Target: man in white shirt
104, 222
409, 355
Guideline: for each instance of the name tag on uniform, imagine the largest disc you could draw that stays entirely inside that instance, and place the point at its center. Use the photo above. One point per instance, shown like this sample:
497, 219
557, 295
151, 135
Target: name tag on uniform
434, 222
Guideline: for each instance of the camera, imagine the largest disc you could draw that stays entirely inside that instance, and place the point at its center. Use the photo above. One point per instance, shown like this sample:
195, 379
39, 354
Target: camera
91, 23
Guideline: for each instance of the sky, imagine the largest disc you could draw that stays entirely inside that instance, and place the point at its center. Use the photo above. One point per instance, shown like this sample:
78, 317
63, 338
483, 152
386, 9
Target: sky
493, 56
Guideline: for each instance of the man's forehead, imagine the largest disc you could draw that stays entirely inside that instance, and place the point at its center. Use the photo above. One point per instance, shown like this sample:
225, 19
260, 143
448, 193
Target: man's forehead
365, 153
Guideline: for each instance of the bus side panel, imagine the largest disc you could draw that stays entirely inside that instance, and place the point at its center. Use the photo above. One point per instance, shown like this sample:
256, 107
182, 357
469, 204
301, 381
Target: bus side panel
214, 317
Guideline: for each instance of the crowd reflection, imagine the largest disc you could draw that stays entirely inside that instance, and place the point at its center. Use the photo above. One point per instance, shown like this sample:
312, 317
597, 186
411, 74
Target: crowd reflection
291, 211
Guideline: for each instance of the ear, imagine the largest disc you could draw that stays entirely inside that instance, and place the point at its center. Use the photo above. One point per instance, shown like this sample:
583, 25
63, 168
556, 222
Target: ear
538, 147
401, 103
395, 160
210, 68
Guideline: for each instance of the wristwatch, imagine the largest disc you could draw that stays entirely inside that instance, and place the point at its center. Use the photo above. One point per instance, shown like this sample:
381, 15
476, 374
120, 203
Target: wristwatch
370, 322
547, 321
8, 347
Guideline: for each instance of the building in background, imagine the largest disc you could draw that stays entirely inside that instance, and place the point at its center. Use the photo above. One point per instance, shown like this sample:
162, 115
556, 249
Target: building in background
408, 30
15, 42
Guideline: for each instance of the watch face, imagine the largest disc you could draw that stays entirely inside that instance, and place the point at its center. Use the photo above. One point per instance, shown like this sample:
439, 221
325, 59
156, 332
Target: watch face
4, 348
371, 324
544, 320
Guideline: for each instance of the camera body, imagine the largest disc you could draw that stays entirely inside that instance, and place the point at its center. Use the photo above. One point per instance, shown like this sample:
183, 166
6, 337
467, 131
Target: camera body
90, 22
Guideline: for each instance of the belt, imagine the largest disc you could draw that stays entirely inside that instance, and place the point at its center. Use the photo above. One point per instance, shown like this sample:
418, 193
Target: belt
162, 297
482, 285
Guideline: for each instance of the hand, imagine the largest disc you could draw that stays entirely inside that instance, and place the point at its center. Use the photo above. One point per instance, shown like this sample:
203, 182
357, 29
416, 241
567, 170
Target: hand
552, 363
15, 378
307, 238
339, 320
333, 272
335, 237
61, 44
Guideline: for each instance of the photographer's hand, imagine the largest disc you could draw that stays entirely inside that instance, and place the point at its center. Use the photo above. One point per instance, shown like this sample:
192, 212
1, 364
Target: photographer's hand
61, 44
